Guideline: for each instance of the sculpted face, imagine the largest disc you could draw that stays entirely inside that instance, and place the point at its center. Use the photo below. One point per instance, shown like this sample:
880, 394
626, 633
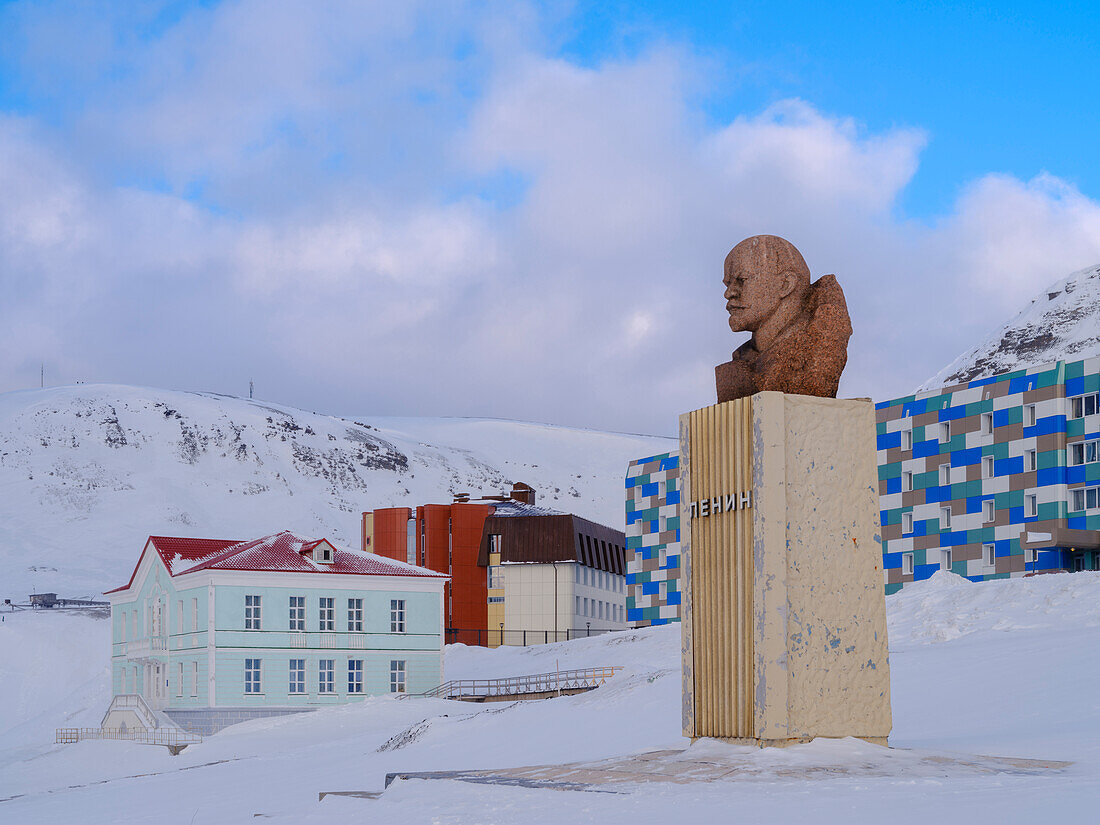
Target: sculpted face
752, 292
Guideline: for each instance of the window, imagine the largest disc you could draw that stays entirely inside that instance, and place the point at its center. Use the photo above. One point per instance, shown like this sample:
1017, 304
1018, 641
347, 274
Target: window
945, 559
252, 675
179, 616
907, 439
122, 627
194, 614
397, 676
907, 481
179, 680
989, 555
194, 678
297, 676
578, 611
945, 474
945, 432
1083, 405
326, 669
906, 522
907, 564
988, 507
251, 612
496, 577
1030, 460
987, 466
397, 615
987, 423
1029, 415
496, 600
326, 617
1031, 505
355, 615
945, 518
1084, 452
599, 610
297, 612
355, 676
1086, 498
577, 573
495, 540
1031, 555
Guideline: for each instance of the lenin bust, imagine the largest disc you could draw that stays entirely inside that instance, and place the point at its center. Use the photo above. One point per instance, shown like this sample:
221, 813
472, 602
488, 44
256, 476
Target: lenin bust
800, 330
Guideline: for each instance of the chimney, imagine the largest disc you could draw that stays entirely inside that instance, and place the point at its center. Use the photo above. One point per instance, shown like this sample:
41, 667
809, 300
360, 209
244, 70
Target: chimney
462, 498
523, 493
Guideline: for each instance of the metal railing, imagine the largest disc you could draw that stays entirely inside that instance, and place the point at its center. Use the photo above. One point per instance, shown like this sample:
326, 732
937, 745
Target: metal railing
492, 637
134, 702
170, 737
556, 681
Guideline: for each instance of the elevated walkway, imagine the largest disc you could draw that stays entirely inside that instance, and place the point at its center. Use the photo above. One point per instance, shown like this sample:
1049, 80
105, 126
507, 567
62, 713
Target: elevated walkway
534, 686
129, 718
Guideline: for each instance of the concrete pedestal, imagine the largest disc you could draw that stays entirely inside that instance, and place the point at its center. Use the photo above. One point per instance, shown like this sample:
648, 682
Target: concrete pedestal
784, 619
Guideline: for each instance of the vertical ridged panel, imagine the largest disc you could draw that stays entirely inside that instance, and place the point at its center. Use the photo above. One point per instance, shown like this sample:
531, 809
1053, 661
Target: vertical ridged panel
721, 586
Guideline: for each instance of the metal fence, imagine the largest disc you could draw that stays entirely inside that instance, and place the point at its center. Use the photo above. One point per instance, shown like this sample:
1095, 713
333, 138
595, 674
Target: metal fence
494, 637
170, 737
555, 681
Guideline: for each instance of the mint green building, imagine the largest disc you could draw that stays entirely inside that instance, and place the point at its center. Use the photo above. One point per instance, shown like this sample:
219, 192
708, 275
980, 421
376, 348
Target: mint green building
211, 632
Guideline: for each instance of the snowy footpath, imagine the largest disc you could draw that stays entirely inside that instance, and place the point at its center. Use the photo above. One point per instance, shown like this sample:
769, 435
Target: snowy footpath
1005, 669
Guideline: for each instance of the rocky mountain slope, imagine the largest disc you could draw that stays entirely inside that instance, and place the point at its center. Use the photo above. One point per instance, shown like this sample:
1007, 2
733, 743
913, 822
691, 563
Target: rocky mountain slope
87, 472
1061, 323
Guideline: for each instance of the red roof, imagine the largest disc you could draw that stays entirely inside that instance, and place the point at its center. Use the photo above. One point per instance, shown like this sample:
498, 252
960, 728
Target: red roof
281, 552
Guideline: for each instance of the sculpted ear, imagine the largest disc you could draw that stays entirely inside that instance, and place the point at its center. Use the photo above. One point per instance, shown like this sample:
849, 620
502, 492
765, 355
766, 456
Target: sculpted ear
788, 282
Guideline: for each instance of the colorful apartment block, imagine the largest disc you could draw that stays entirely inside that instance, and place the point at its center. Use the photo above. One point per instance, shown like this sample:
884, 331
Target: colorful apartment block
993, 478
653, 540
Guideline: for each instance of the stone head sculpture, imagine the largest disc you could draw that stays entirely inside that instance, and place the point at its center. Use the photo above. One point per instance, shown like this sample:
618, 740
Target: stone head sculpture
800, 330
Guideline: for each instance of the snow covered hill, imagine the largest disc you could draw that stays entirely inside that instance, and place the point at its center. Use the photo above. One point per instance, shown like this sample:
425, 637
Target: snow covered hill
1002, 668
1061, 323
88, 471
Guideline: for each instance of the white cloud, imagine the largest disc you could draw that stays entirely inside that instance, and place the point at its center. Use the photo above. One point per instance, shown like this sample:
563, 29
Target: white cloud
312, 195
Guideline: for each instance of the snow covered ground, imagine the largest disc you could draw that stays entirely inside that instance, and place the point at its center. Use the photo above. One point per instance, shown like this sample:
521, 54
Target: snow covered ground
1006, 668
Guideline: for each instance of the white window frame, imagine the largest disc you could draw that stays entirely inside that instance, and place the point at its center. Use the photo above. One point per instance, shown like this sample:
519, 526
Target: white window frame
987, 423
355, 676
1031, 460
296, 673
194, 615
907, 522
1031, 555
296, 613
253, 612
1031, 505
179, 681
1079, 405
989, 556
945, 475
945, 432
1089, 452
122, 626
907, 481
1081, 496
945, 518
1030, 416
326, 613
989, 511
326, 676
194, 678
253, 677
907, 564
945, 559
398, 675
397, 616
179, 616
987, 466
907, 439
355, 615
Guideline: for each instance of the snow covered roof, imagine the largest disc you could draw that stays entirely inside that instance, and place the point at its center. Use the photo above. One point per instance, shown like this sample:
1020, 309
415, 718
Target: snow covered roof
280, 552
518, 508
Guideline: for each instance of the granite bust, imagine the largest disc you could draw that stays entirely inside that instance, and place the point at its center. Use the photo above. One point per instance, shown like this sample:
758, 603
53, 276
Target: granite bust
800, 330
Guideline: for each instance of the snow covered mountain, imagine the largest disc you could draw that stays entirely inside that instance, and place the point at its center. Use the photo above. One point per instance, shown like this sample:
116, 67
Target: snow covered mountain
1061, 323
88, 471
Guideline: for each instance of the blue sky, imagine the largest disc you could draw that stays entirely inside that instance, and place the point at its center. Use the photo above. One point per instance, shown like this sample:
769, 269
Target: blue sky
521, 210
